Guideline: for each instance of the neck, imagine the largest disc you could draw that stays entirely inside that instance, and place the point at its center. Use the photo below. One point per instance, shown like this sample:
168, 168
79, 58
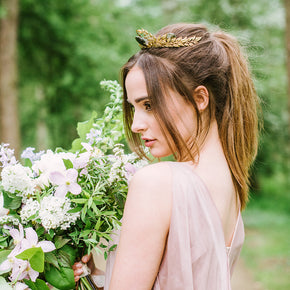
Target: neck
211, 146
211, 149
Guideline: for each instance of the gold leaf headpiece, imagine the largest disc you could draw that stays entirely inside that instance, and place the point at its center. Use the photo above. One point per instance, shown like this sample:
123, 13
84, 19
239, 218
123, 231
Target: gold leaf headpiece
147, 40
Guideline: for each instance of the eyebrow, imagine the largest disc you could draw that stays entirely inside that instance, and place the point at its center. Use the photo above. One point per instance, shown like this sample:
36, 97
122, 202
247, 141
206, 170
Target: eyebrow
139, 99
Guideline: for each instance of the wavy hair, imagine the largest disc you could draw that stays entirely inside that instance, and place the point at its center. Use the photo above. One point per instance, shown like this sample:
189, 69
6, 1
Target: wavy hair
218, 63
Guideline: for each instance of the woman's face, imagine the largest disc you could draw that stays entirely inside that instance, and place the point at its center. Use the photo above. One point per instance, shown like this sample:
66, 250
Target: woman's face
144, 121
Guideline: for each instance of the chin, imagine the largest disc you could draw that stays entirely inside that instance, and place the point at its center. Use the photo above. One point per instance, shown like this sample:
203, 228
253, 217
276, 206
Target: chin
159, 153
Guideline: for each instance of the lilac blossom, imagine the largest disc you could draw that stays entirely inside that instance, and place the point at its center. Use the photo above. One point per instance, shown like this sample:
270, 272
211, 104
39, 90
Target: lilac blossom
6, 155
94, 136
130, 170
29, 154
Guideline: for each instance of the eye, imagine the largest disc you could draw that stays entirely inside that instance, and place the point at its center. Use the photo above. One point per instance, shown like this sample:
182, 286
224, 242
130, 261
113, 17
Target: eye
147, 106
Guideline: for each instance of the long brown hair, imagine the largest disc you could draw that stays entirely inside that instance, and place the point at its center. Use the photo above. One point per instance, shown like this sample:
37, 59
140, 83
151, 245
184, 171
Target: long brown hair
217, 63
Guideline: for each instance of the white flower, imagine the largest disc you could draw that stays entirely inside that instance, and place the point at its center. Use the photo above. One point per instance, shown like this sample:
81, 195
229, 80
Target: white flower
18, 236
54, 213
3, 211
30, 208
31, 241
20, 286
22, 270
66, 182
50, 162
8, 219
17, 179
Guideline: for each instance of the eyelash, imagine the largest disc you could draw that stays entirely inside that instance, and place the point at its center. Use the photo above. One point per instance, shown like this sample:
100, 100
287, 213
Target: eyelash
147, 106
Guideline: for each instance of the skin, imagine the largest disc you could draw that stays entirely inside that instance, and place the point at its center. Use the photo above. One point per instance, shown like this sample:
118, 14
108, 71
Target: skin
144, 121
148, 206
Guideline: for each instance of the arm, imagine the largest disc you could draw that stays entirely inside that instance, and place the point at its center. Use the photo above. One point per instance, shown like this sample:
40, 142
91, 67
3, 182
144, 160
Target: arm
145, 227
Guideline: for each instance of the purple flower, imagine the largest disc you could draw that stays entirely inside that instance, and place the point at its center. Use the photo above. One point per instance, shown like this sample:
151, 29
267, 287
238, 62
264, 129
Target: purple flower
29, 154
7, 155
130, 170
66, 182
94, 136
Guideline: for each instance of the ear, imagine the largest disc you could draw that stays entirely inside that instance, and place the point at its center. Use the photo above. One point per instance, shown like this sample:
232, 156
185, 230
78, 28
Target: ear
201, 97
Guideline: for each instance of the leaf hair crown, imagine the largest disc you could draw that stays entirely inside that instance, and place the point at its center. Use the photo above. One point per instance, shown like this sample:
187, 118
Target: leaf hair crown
148, 40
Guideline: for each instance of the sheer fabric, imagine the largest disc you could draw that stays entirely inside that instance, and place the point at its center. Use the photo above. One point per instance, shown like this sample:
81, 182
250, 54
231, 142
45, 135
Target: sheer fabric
195, 255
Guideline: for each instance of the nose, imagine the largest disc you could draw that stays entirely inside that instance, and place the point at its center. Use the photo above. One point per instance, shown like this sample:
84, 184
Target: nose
138, 124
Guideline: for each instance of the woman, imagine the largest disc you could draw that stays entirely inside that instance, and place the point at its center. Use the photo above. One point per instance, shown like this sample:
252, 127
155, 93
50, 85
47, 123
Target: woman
187, 92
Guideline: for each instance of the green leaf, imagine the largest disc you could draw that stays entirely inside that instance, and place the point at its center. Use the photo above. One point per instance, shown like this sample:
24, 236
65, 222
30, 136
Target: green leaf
74, 210
83, 214
59, 242
79, 200
76, 145
4, 285
98, 224
51, 233
3, 255
35, 256
37, 285
51, 259
62, 278
11, 202
71, 252
109, 213
27, 162
85, 233
40, 231
84, 127
64, 259
112, 247
90, 201
67, 163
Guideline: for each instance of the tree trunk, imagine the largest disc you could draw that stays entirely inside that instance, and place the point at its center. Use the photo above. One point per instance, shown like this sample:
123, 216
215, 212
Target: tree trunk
41, 128
9, 119
287, 10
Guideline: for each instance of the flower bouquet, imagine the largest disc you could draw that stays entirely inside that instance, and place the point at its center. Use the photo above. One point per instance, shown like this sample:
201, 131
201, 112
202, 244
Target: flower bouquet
57, 206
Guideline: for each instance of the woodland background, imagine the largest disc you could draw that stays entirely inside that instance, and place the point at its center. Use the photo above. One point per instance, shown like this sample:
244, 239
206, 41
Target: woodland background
53, 54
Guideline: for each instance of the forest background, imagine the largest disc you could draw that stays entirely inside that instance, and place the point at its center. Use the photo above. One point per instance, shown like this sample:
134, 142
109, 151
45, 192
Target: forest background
53, 55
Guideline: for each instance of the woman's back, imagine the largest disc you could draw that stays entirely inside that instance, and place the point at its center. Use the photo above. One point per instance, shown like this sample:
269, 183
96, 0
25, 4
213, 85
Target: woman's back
195, 254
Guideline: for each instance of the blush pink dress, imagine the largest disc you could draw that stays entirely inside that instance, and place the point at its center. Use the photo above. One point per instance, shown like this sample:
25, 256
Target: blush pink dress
195, 255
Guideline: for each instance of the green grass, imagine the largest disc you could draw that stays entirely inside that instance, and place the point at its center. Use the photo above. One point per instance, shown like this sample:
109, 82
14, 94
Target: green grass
267, 246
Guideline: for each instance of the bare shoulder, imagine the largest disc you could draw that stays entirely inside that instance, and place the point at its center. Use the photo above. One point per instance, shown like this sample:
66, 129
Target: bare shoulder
152, 184
153, 175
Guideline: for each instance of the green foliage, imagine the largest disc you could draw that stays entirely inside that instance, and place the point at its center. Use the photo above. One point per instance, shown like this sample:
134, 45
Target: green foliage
35, 257
38, 284
11, 200
62, 278
266, 248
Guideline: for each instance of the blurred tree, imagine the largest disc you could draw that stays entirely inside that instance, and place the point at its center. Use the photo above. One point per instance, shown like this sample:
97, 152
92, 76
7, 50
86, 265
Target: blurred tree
287, 9
9, 121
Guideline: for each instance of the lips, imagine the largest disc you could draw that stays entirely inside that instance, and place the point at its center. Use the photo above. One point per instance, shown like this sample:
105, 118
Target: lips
148, 142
